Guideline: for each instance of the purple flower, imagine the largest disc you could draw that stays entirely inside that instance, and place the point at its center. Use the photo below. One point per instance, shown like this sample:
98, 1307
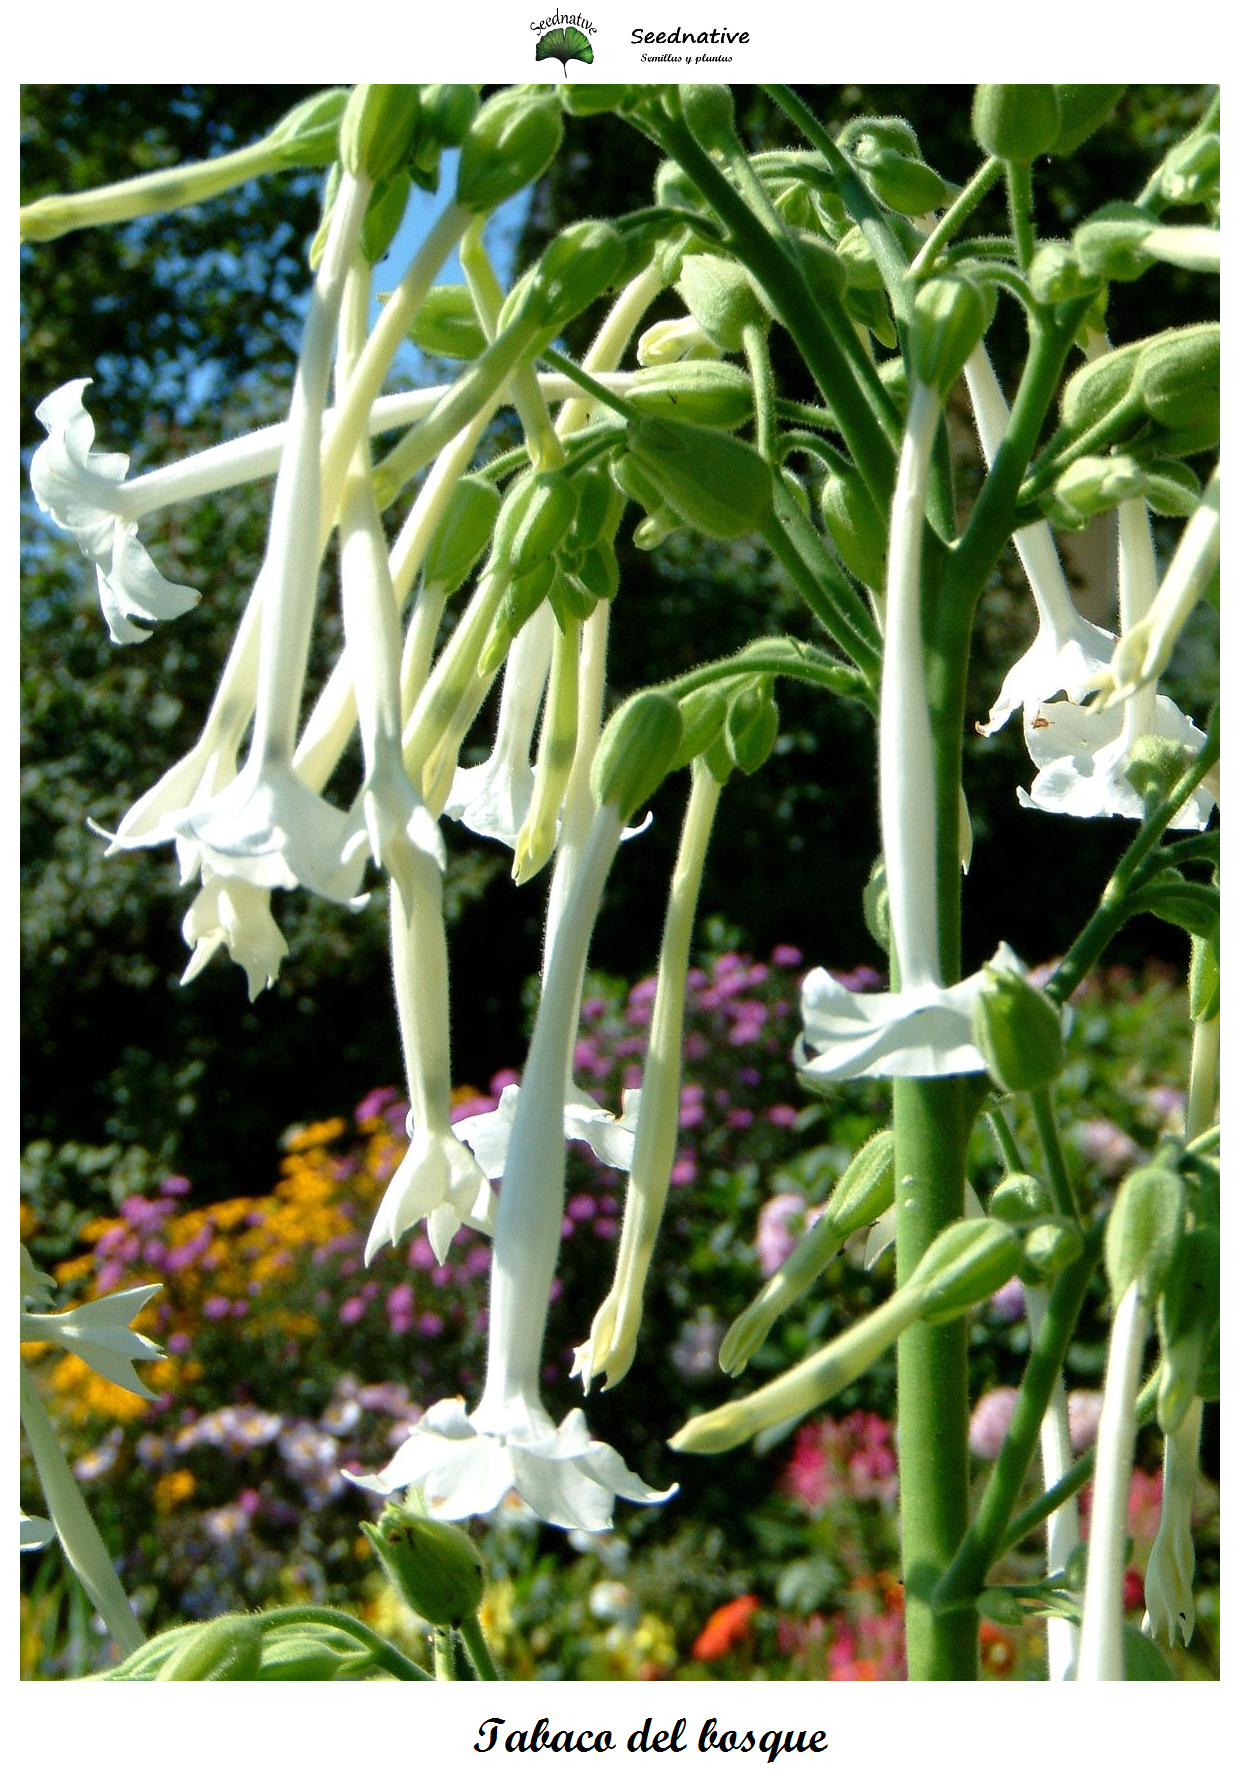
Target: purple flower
1083, 1415
785, 956
1007, 1303
581, 1208
174, 1185
990, 1420
1111, 1148
374, 1104
684, 1170
782, 1221
353, 1310
784, 1117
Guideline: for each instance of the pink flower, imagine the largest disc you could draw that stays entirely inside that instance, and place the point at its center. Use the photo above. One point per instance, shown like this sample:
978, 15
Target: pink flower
783, 1220
990, 1420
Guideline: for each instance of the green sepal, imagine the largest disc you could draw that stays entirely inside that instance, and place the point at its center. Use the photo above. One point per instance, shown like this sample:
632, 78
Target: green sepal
378, 129
1193, 906
708, 109
720, 295
462, 533
1048, 1247
636, 751
1018, 1030
1081, 111
1203, 988
309, 133
435, 1566
1143, 1231
949, 316
1016, 123
705, 391
752, 722
964, 1265
383, 218
855, 525
713, 482
447, 324
511, 141
865, 1190
227, 1649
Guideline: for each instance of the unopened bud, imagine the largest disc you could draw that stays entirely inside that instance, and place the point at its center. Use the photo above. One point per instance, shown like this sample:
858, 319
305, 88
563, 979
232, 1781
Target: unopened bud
722, 299
705, 391
1111, 243
949, 317
227, 1649
447, 324
378, 130
449, 109
1056, 276
964, 1266
905, 185
1019, 1199
307, 136
511, 141
1171, 488
462, 533
1203, 985
1016, 123
636, 752
535, 517
866, 1190
703, 714
678, 338
1090, 485
752, 725
858, 263
1018, 1030
1179, 380
434, 1566
855, 525
1190, 173
709, 111
712, 481
385, 211
583, 101
1048, 1248
1143, 1231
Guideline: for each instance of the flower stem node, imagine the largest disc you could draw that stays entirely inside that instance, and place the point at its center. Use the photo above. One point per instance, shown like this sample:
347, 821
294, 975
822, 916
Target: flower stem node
949, 316
1018, 1030
966, 1264
636, 752
1016, 123
711, 481
1143, 1232
436, 1569
512, 139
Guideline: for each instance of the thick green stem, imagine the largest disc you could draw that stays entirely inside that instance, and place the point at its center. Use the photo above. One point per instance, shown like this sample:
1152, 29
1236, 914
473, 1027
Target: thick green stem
932, 1119
472, 1637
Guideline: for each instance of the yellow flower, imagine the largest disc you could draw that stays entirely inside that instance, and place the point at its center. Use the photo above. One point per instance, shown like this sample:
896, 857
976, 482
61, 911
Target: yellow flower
171, 1488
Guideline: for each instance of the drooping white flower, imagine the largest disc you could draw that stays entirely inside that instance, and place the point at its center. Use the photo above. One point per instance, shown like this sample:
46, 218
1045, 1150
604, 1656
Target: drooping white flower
237, 914
1170, 1606
83, 492
100, 1334
611, 1139
1100, 1656
492, 799
438, 1180
1069, 653
467, 1463
1081, 758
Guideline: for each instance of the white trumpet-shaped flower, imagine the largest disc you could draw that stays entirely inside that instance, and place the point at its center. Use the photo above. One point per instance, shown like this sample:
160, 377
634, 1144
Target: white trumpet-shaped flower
923, 1028
1082, 755
1170, 1608
1101, 1630
611, 1139
237, 914
492, 799
100, 1334
1069, 653
466, 1463
83, 491
437, 1179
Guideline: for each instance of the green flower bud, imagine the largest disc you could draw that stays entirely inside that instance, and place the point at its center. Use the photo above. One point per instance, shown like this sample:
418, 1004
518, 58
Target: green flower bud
858, 263
1178, 378
1187, 1312
570, 598
378, 130
637, 750
752, 725
434, 1566
1020, 1198
577, 266
1110, 244
1091, 485
1081, 111
966, 1264
703, 715
598, 572
893, 375
1016, 123
1099, 387
866, 1190
583, 101
1171, 488
710, 480
706, 391
1203, 988
867, 138
1191, 172
224, 1650
911, 188
949, 317
674, 188
872, 312
512, 140
462, 533
1055, 274
307, 136
448, 111
821, 268
383, 218
1048, 1247
535, 518
1018, 1030
447, 324
314, 1653
709, 111
1143, 1231
856, 526
600, 506
522, 598
720, 296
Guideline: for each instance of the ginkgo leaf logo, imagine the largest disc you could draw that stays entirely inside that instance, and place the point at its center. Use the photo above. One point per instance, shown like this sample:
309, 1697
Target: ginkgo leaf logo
566, 44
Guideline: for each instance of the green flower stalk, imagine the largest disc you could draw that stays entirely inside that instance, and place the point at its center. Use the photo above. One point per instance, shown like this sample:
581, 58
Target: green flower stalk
610, 1348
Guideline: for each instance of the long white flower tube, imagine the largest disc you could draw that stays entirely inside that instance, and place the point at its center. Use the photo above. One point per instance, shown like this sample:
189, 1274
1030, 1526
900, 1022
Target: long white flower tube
1069, 653
492, 798
466, 1463
1082, 755
1101, 1630
1062, 1530
924, 1028
609, 1350
1170, 1607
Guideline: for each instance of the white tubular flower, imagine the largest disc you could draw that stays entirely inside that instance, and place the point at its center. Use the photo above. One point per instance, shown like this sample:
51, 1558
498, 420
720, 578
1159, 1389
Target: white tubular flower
492, 799
83, 492
100, 1334
610, 1348
1062, 1530
437, 1179
237, 914
1170, 1609
1081, 755
1101, 1630
923, 1029
611, 1139
466, 1464
1069, 653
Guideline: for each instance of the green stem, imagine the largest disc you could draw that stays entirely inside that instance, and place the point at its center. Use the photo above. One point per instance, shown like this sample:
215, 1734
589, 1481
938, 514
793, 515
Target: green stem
445, 1653
572, 370
386, 1654
756, 350
952, 219
824, 587
931, 1125
805, 664
1052, 1148
472, 1636
1019, 201
1042, 1507
1008, 1148
983, 1542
